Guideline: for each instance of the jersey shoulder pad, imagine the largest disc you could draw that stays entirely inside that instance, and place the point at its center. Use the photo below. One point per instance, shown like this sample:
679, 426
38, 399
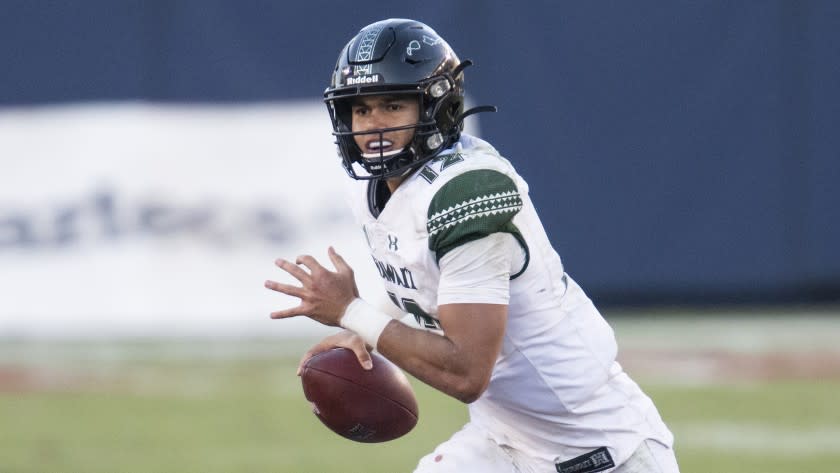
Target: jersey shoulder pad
470, 206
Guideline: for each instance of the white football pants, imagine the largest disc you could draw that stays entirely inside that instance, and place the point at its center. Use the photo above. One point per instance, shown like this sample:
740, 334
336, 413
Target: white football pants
472, 450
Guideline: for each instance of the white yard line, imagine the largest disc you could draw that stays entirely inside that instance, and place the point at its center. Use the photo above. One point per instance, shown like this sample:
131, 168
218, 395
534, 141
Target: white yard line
746, 332
766, 439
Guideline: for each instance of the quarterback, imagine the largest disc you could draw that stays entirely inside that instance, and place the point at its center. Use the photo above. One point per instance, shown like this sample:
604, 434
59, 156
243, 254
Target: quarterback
499, 324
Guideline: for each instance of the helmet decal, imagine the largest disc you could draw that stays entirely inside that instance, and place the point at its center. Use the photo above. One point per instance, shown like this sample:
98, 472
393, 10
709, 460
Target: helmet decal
414, 45
431, 41
365, 51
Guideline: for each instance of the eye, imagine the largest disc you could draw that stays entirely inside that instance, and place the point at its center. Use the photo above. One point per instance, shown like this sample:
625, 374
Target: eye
394, 107
360, 111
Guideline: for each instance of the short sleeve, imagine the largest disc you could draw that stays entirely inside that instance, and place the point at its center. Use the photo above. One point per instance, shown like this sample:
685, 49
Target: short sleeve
480, 271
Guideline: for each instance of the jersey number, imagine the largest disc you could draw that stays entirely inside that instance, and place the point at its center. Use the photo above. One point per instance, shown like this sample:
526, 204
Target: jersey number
447, 160
413, 308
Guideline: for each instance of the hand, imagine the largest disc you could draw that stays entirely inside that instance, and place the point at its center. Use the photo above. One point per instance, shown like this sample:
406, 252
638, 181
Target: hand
343, 339
324, 294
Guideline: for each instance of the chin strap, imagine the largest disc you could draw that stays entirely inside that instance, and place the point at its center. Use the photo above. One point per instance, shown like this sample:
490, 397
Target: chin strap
473, 111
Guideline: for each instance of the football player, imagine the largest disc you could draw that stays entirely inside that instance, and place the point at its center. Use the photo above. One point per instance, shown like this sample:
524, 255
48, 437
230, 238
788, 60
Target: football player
500, 325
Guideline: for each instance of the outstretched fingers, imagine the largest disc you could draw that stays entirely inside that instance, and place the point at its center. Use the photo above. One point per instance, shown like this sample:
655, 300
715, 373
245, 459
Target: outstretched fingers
285, 314
342, 267
287, 289
310, 262
293, 269
323, 294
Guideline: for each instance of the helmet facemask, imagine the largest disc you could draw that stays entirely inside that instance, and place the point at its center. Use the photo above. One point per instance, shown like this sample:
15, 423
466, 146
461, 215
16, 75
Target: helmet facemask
438, 127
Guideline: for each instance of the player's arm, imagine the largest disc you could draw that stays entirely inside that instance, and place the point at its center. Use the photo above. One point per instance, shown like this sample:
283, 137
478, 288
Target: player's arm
471, 210
458, 363
472, 235
474, 292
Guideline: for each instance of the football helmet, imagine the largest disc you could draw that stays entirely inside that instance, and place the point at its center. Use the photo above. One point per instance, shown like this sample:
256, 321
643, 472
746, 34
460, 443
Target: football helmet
398, 57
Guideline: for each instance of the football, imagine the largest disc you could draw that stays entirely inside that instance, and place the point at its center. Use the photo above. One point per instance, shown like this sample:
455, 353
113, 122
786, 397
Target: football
368, 406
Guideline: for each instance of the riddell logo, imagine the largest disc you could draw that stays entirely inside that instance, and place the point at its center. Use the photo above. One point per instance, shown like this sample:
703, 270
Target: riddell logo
372, 79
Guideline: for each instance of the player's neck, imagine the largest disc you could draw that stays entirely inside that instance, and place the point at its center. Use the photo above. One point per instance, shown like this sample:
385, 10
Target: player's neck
394, 182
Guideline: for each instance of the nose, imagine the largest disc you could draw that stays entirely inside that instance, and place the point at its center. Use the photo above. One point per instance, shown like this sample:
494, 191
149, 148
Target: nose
374, 120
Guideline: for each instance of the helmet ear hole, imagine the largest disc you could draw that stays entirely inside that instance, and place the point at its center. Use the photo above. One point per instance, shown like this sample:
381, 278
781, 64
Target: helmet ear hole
455, 109
342, 115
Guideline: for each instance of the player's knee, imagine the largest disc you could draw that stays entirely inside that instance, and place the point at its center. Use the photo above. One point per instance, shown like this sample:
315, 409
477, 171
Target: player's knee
468, 450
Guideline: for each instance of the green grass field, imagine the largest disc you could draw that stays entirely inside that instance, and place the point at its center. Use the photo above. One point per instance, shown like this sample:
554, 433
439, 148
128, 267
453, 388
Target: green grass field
236, 406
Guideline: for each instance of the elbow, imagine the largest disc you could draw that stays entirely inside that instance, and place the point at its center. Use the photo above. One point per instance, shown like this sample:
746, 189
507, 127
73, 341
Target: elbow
470, 389
469, 397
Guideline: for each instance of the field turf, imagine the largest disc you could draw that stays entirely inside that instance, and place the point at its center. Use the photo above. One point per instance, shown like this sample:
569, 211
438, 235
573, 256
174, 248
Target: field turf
236, 406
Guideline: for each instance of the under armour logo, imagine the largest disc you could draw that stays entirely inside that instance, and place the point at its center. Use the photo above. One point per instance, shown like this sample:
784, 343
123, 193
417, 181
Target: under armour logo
392, 242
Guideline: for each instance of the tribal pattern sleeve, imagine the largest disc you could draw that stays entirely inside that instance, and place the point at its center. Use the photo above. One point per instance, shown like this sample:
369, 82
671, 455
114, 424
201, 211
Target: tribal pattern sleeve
471, 206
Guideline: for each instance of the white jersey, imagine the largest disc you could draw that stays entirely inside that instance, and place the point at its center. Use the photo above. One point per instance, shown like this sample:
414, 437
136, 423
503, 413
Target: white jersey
556, 390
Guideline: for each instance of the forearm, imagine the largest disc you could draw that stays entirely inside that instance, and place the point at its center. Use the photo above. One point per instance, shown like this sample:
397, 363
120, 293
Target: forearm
458, 363
434, 359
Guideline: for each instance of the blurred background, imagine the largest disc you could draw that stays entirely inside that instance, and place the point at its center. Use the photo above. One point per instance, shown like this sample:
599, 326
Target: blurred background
157, 156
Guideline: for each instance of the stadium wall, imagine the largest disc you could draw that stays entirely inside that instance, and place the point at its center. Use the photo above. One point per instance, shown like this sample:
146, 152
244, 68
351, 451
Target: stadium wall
680, 153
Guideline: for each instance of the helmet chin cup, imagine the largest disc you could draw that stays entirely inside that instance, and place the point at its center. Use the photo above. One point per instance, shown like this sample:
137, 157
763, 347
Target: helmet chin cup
385, 164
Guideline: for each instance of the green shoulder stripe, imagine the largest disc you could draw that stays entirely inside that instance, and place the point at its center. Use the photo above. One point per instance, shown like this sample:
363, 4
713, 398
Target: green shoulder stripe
471, 206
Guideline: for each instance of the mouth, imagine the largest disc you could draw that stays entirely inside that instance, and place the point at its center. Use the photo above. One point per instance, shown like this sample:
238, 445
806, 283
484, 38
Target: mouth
375, 149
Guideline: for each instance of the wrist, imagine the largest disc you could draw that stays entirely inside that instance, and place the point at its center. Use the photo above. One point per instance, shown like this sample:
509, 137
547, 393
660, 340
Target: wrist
363, 319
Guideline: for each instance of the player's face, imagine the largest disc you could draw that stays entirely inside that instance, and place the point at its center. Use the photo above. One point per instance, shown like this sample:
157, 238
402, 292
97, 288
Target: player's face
384, 111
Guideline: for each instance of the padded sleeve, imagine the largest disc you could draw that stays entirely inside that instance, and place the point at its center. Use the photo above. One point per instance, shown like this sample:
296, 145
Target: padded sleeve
471, 206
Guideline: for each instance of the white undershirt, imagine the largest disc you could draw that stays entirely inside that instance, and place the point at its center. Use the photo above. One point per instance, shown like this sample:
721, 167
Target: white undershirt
479, 271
